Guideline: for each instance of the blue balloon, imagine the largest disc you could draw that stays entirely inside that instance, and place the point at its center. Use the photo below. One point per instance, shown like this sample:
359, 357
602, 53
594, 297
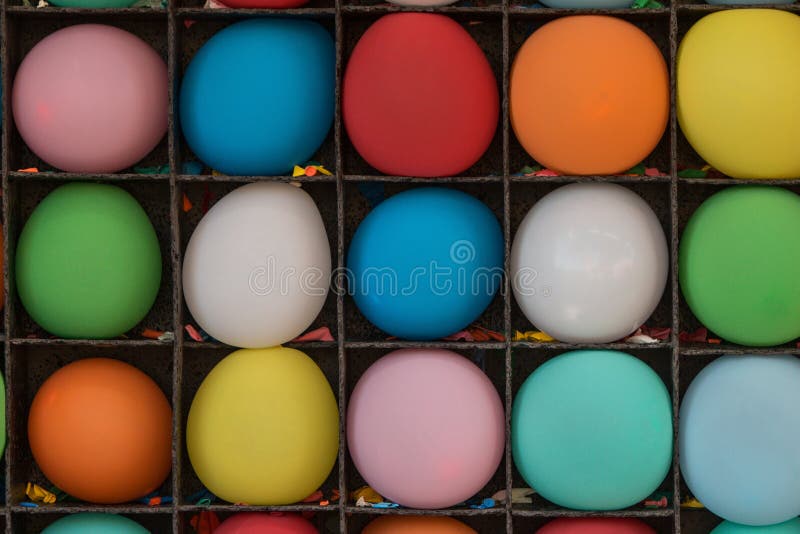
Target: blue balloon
95, 523
258, 97
426, 263
738, 436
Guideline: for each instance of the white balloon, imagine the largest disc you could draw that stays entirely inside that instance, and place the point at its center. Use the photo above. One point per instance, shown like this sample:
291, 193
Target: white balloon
589, 263
257, 267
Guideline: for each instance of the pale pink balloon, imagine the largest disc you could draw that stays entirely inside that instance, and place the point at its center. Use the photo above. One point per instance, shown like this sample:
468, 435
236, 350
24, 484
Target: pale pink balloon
425, 428
91, 98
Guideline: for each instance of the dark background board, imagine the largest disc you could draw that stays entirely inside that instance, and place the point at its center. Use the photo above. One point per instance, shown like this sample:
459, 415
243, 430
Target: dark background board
499, 27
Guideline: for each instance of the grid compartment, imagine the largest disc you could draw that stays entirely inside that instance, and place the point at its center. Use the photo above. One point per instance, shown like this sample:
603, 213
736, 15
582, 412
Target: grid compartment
492, 362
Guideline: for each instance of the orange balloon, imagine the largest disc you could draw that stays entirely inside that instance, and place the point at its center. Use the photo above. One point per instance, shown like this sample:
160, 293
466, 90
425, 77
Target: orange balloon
417, 524
589, 95
101, 430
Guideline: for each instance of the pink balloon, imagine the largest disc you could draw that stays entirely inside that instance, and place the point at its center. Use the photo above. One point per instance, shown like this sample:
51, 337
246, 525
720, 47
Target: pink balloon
91, 98
425, 428
266, 523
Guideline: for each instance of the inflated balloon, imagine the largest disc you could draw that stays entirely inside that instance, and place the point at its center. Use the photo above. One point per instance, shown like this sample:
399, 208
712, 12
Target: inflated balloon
740, 125
616, 449
88, 263
426, 262
749, 233
249, 108
744, 406
425, 428
589, 263
113, 427
410, 524
257, 267
426, 106
95, 523
263, 427
265, 523
596, 525
604, 103
789, 527
91, 98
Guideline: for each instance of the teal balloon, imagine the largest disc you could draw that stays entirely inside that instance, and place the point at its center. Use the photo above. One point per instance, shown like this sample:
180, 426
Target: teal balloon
95, 523
789, 527
592, 430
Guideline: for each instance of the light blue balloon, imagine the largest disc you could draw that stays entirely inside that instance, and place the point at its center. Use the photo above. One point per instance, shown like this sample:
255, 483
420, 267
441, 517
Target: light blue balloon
739, 436
95, 523
426, 262
592, 430
789, 527
258, 97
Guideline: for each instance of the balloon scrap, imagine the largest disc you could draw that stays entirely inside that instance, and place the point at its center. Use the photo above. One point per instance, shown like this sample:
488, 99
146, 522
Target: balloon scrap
367, 495
646, 4
322, 333
518, 496
204, 522
533, 335
153, 499
698, 336
658, 499
476, 333
38, 494
312, 169
692, 503
196, 334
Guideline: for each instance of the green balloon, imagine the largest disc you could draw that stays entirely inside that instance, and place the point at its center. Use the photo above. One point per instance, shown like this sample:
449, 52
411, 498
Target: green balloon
592, 430
739, 264
790, 527
95, 523
88, 264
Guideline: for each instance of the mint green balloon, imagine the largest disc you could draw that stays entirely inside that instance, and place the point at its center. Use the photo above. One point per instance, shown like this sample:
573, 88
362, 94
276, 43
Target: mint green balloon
789, 527
592, 430
88, 264
95, 523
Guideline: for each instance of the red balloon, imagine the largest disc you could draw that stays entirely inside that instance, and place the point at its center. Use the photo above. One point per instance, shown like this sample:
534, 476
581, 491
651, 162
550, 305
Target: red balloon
419, 97
266, 523
596, 525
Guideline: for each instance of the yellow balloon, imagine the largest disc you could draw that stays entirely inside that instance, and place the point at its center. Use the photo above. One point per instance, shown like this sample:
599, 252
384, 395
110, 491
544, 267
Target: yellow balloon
738, 92
263, 428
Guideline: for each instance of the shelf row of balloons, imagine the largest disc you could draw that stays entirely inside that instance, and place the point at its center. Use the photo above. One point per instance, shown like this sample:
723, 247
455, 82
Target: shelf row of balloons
589, 264
425, 429
425, 107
